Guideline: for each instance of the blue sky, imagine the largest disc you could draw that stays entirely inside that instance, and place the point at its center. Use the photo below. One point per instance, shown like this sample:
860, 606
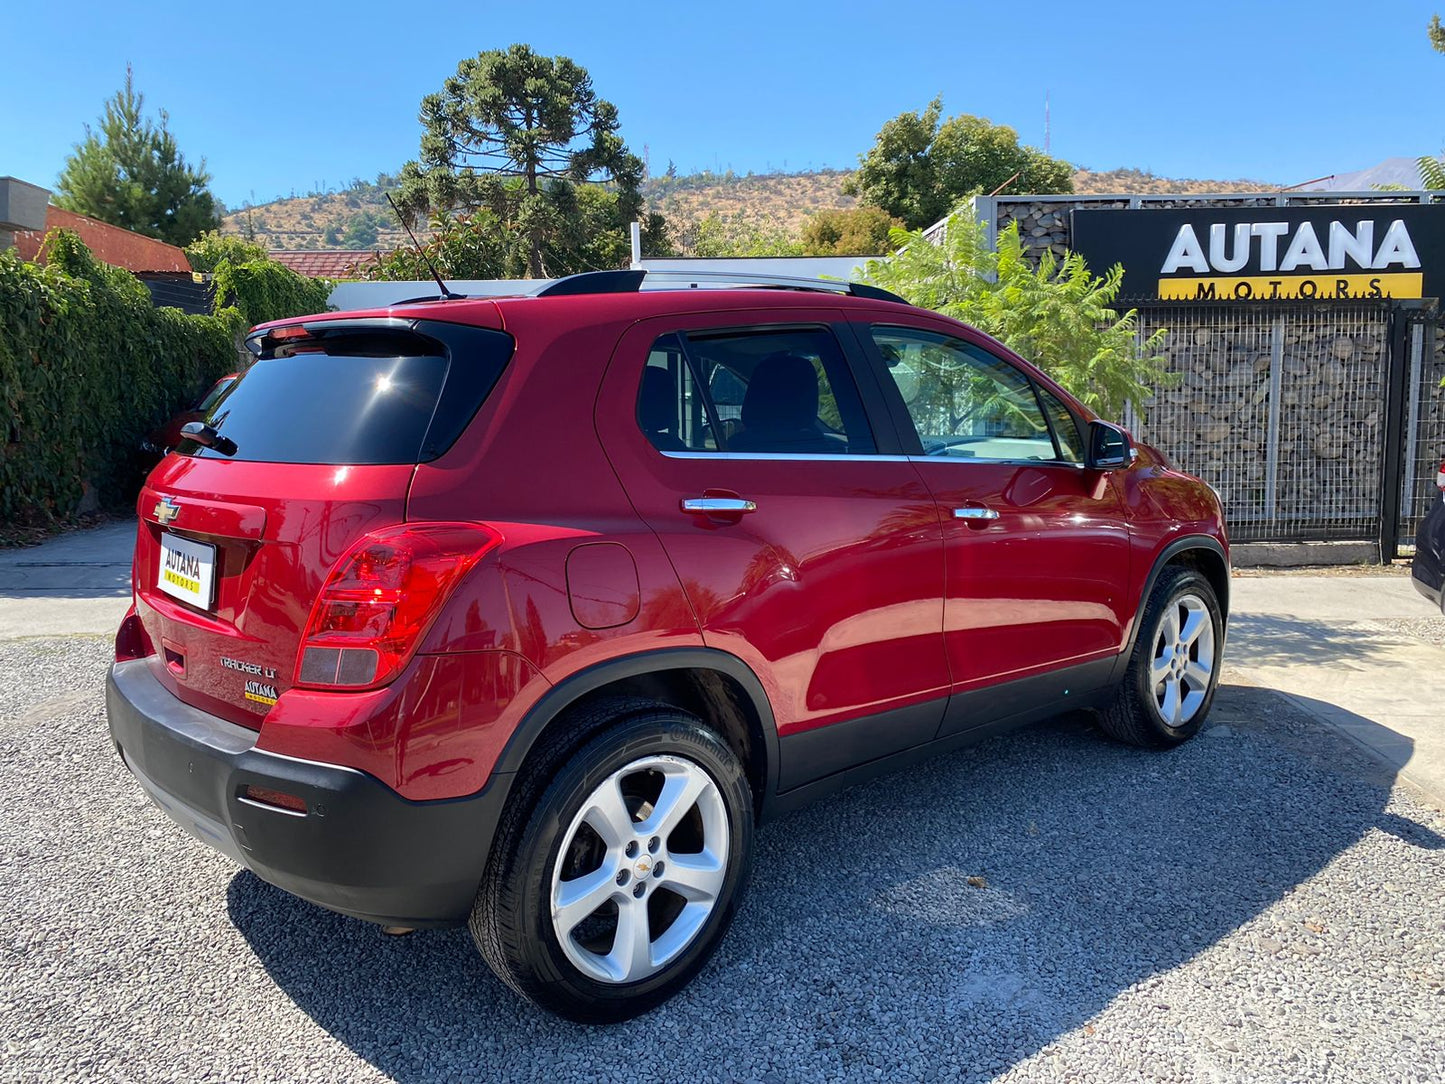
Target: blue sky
286, 96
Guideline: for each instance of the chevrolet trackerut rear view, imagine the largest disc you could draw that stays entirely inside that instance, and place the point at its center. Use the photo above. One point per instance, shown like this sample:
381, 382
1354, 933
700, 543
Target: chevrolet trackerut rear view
276, 496
522, 613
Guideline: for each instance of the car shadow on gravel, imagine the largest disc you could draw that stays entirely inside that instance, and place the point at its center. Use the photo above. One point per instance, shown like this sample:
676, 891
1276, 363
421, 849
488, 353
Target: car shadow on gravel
946, 922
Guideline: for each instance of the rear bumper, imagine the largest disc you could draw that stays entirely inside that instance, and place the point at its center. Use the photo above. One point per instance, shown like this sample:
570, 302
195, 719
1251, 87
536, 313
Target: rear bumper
360, 848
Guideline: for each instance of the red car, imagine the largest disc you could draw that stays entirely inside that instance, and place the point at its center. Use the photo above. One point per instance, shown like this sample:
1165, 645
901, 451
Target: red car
162, 440
523, 612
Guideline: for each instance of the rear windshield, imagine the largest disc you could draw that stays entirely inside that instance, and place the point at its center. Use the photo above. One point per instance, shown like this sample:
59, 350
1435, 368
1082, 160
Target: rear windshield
356, 401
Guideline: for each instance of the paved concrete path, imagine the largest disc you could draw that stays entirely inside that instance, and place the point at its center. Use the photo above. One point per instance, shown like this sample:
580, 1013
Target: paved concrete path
1364, 653
77, 584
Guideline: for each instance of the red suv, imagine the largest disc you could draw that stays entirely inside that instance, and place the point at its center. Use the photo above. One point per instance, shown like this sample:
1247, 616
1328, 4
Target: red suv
523, 612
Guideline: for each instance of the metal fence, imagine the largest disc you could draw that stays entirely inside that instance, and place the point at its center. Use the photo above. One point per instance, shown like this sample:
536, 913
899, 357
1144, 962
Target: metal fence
1423, 433
1283, 409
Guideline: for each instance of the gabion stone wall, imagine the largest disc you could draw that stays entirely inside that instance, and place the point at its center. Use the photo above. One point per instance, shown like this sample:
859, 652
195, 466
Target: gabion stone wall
1316, 474
1427, 450
1306, 467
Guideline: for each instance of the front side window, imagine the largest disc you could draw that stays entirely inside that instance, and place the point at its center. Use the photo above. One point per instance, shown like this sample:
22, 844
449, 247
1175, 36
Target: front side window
965, 403
786, 391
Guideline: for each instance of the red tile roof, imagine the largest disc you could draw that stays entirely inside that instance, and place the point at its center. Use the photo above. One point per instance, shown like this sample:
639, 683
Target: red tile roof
323, 263
110, 244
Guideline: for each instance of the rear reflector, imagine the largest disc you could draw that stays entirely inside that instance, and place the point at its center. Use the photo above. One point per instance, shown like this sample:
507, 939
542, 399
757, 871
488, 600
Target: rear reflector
131, 641
382, 597
277, 798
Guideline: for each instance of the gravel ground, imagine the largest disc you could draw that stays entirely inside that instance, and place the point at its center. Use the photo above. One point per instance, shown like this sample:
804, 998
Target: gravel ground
1259, 906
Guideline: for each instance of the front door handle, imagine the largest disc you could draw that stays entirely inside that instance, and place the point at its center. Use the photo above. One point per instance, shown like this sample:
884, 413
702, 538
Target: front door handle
711, 506
975, 512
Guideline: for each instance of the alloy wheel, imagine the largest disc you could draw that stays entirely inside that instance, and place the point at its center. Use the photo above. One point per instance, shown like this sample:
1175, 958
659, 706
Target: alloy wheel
641, 868
1183, 660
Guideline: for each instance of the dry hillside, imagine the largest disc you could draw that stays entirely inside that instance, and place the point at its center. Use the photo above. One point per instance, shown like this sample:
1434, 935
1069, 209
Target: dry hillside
1139, 182
359, 218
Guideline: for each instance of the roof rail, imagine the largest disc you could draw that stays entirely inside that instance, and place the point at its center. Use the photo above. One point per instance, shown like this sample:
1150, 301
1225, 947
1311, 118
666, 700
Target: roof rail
627, 282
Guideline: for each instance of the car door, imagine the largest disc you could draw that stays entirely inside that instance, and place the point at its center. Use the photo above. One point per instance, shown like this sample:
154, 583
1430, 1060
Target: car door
1036, 547
806, 543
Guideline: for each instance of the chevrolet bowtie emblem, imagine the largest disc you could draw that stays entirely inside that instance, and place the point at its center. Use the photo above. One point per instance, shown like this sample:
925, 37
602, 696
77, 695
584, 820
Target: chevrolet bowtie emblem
166, 510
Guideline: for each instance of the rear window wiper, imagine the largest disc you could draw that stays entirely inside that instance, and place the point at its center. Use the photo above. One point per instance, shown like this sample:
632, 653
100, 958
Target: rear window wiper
205, 435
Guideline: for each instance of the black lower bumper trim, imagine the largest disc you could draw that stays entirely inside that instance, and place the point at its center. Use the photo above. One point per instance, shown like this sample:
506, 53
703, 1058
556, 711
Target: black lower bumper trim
360, 848
1432, 593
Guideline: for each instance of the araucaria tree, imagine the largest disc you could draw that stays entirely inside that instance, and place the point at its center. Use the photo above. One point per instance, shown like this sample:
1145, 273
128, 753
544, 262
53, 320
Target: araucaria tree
1055, 313
920, 167
129, 172
521, 136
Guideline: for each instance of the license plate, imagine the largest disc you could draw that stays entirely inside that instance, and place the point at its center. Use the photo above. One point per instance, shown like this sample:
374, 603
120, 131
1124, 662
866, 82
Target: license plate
188, 570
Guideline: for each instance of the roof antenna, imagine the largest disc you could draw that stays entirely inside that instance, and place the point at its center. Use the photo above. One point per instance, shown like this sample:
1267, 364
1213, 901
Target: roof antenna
446, 294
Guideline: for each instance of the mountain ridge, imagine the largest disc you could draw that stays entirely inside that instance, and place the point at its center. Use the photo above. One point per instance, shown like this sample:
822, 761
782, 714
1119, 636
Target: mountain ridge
357, 218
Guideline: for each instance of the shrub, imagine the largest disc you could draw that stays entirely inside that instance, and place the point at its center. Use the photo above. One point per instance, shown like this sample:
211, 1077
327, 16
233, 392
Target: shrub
265, 290
853, 232
87, 368
1055, 313
206, 251
245, 277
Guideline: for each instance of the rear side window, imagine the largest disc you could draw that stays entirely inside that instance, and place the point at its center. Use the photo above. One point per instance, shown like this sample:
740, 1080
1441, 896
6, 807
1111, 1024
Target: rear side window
217, 390
358, 399
784, 391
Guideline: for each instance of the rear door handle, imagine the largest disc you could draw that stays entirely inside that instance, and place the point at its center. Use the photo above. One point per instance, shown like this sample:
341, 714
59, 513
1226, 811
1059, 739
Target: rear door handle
711, 506
975, 513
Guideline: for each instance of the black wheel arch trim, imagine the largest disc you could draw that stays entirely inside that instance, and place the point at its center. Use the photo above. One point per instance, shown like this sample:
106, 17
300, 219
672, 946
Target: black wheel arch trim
1180, 545
573, 688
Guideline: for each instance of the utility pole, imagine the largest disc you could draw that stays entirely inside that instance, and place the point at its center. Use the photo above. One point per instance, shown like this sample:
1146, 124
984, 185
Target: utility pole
1046, 122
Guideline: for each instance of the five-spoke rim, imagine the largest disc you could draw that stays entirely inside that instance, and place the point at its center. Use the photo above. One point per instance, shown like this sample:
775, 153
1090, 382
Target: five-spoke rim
640, 869
1183, 660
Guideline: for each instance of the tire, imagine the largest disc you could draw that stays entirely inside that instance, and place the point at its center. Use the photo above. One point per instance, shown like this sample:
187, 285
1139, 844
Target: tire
618, 865
1143, 712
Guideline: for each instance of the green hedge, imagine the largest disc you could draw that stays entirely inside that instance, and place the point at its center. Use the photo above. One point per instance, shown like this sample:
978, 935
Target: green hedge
265, 290
247, 278
87, 368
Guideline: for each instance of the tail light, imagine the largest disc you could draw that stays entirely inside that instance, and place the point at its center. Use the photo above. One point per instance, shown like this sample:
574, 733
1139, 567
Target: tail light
382, 597
131, 641
1440, 478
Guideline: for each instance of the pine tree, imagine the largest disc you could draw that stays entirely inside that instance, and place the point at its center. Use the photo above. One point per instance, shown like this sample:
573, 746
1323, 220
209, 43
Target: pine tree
130, 173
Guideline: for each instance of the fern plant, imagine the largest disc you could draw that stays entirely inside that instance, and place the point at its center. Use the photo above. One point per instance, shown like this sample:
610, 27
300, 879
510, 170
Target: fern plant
1056, 312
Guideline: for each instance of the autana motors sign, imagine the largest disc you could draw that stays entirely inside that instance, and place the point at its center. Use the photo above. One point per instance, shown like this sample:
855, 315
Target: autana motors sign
1333, 252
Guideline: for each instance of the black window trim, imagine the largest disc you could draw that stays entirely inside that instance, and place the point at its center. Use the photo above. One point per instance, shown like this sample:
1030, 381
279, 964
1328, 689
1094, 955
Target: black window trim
1039, 392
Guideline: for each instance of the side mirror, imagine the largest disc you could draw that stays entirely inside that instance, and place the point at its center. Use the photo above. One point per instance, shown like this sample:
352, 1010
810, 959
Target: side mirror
1109, 447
